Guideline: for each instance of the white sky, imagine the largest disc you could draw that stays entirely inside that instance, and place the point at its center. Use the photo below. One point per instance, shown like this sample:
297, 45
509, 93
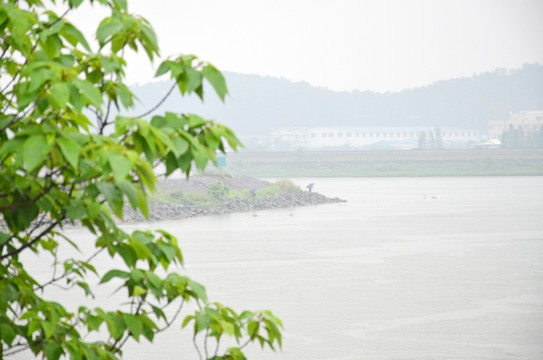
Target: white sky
380, 45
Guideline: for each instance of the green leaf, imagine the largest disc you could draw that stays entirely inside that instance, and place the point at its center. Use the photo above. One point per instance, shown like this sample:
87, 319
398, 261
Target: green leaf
136, 275
216, 80
200, 157
75, 98
116, 326
126, 96
75, 210
252, 329
134, 325
35, 150
53, 351
171, 163
149, 41
3, 238
168, 250
74, 36
60, 94
7, 334
89, 91
33, 326
122, 124
48, 328
130, 191
121, 4
10, 146
107, 28
227, 327
190, 80
138, 291
158, 312
39, 76
113, 197
70, 149
128, 254
154, 280
94, 322
180, 146
187, 320
158, 121
52, 45
75, 3
114, 273
202, 322
198, 289
120, 165
163, 68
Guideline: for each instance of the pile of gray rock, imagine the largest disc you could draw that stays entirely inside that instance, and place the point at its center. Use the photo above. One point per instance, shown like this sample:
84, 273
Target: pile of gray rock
176, 210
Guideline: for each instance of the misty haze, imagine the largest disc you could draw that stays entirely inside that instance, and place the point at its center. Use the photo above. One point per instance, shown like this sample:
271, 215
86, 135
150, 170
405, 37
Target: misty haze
321, 180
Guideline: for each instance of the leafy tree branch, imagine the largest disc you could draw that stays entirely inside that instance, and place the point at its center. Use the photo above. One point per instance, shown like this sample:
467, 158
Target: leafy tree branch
58, 166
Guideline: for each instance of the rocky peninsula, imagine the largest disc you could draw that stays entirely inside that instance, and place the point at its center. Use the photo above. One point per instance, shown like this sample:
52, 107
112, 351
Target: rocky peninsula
220, 193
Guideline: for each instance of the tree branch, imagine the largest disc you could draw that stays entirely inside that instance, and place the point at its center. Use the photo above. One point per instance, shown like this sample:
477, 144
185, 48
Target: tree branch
159, 103
205, 343
32, 242
53, 280
196, 346
169, 323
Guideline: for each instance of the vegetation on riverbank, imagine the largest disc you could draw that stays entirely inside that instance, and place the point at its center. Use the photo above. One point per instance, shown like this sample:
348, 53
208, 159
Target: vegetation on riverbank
487, 167
392, 163
220, 193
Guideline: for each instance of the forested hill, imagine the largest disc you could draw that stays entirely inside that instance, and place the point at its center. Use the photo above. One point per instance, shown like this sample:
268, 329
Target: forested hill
257, 105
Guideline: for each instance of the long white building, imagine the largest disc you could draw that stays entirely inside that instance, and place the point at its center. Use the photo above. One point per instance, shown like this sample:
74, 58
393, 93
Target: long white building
386, 137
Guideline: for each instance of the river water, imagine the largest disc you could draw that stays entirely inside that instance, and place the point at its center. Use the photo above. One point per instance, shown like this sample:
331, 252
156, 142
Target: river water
407, 268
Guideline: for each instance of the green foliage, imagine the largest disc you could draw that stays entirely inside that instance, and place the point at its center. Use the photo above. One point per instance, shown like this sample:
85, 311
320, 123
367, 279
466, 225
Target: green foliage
286, 186
218, 191
280, 187
60, 164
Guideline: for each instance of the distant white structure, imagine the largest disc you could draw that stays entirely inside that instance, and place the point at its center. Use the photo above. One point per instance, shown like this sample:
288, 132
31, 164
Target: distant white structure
297, 137
528, 121
360, 137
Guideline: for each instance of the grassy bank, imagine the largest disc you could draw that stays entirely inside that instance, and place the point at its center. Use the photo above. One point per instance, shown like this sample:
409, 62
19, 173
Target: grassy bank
375, 164
219, 194
219, 190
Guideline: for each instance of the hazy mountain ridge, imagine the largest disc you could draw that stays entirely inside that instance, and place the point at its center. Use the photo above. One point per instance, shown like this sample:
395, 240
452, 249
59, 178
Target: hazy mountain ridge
257, 105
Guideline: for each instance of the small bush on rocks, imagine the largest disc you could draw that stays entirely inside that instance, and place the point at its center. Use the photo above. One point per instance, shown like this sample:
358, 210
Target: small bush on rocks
287, 186
218, 191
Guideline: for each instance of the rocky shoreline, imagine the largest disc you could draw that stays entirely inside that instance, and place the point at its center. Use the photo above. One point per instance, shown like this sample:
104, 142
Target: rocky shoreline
183, 209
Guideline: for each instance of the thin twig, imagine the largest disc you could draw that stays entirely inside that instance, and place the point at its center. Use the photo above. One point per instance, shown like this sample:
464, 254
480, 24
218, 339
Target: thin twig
159, 103
205, 343
106, 117
196, 346
30, 243
217, 347
67, 273
246, 343
169, 323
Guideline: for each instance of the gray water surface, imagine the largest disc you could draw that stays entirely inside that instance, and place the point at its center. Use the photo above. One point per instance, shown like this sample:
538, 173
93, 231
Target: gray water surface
408, 268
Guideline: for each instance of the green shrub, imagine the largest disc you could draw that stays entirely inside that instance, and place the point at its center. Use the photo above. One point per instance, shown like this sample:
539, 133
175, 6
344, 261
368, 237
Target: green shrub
218, 191
268, 192
177, 195
286, 186
196, 198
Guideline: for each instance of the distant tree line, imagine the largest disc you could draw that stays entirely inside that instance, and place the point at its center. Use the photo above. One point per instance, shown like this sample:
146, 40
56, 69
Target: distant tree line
466, 103
517, 138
